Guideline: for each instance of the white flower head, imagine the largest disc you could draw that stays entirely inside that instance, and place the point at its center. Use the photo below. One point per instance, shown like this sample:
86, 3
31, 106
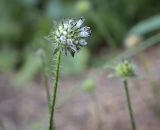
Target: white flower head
69, 35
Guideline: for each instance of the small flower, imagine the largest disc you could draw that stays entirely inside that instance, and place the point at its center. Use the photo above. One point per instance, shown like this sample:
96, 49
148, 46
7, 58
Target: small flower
69, 35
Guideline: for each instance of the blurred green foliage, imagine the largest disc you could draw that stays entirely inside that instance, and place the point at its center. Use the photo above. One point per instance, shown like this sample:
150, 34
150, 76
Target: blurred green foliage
24, 23
151, 25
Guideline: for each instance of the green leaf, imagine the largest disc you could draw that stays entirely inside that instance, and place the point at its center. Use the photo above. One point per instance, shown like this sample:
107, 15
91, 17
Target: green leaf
146, 26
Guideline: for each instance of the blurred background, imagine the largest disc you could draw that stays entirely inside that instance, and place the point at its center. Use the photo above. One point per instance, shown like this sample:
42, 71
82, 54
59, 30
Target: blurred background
124, 28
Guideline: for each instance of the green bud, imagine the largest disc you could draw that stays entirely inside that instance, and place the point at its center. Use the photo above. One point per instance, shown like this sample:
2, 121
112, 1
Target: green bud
83, 6
125, 69
89, 85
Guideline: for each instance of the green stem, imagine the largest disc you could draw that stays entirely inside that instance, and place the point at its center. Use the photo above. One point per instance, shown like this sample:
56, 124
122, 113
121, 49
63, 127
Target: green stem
45, 78
1, 125
129, 105
97, 111
55, 84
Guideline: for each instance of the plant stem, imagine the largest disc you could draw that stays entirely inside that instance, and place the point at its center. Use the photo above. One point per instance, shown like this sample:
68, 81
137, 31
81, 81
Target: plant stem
45, 78
55, 85
97, 111
1, 125
129, 105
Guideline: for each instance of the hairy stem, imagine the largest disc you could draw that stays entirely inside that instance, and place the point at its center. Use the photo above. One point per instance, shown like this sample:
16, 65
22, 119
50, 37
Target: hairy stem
55, 85
129, 105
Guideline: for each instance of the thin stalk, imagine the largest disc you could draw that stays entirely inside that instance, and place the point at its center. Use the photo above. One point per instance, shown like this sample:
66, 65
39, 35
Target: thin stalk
45, 78
55, 85
1, 125
97, 111
129, 105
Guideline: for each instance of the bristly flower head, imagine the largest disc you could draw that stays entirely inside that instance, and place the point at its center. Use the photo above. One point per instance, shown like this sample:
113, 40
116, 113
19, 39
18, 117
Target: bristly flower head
125, 69
69, 35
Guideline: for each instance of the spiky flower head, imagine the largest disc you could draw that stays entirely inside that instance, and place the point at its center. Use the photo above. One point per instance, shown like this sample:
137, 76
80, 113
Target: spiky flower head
69, 35
125, 69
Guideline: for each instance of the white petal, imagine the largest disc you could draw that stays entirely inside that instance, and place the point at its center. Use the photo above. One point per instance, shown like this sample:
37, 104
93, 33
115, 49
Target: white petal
60, 28
76, 42
57, 33
63, 38
71, 23
69, 42
80, 22
84, 34
64, 32
82, 42
65, 25
85, 28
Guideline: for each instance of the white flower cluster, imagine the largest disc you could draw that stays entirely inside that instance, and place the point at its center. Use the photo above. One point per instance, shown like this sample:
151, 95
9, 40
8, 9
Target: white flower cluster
69, 35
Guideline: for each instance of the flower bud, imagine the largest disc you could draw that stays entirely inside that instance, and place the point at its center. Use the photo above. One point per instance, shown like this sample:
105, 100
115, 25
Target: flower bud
83, 6
89, 86
132, 40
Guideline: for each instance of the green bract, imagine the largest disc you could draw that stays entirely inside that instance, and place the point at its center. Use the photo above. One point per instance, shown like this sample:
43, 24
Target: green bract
69, 35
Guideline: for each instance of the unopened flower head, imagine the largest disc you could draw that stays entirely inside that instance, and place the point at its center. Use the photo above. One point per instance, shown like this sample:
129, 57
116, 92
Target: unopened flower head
69, 35
83, 6
133, 40
89, 85
125, 69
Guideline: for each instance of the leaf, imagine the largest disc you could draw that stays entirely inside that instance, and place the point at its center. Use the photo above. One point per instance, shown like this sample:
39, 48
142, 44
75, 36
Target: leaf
146, 26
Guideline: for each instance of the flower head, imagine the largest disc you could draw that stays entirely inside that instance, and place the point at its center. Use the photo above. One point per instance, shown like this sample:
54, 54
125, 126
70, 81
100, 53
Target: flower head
69, 35
125, 69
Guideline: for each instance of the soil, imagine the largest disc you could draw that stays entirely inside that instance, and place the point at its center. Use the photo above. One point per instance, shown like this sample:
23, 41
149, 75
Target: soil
25, 107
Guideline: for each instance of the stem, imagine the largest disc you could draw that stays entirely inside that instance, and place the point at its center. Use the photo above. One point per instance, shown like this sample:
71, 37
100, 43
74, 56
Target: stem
45, 78
1, 125
55, 84
97, 111
129, 105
